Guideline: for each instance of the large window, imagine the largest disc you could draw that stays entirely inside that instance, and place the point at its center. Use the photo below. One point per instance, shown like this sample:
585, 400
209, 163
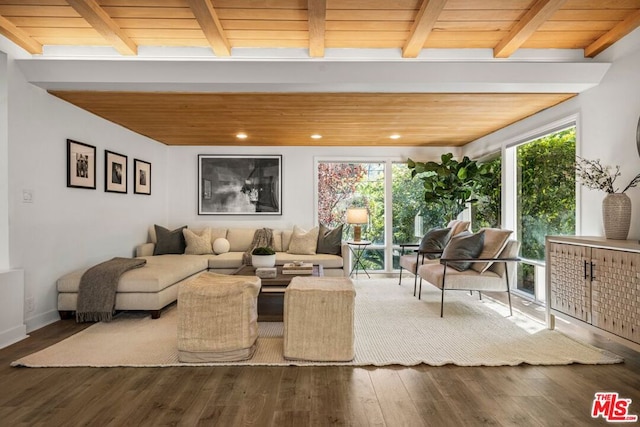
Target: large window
351, 184
380, 187
545, 200
397, 210
487, 211
412, 217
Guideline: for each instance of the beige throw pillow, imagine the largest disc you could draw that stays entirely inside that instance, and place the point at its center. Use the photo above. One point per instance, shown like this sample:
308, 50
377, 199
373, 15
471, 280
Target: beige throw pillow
458, 226
277, 241
197, 244
495, 239
303, 242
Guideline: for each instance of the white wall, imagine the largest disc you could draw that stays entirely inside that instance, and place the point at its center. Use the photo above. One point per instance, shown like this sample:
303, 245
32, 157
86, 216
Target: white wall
67, 228
4, 164
298, 164
607, 119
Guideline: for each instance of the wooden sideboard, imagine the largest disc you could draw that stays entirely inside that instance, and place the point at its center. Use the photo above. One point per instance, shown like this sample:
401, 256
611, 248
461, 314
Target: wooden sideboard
595, 281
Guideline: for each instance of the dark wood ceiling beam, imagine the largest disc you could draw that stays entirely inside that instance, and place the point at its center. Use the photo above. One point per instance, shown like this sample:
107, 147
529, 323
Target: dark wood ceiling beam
537, 15
422, 27
100, 20
616, 33
207, 17
317, 22
19, 36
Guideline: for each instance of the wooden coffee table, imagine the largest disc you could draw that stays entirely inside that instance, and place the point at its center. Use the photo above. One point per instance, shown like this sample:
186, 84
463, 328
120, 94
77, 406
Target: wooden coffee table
271, 297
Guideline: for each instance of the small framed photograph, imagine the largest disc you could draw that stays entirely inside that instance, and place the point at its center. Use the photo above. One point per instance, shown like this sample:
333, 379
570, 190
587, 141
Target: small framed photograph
141, 177
81, 165
115, 172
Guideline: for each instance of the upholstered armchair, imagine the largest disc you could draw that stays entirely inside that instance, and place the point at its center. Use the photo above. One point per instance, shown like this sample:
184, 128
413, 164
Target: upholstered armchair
429, 249
489, 273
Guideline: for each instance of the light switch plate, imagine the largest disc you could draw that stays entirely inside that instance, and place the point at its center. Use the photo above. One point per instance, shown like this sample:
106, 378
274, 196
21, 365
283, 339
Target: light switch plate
27, 196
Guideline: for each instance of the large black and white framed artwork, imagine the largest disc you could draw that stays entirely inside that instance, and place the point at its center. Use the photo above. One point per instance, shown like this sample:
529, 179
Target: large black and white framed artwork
115, 172
81, 165
239, 185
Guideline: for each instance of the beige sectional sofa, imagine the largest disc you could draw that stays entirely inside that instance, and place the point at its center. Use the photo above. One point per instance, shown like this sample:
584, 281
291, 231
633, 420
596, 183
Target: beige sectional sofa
155, 285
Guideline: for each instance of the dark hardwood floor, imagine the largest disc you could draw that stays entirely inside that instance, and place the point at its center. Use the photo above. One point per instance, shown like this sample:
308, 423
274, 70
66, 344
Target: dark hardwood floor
300, 396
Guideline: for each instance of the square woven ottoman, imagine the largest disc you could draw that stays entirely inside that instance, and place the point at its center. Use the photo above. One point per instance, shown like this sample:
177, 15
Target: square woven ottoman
318, 319
217, 318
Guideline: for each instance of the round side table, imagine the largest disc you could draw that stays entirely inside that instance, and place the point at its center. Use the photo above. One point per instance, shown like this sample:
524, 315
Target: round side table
357, 249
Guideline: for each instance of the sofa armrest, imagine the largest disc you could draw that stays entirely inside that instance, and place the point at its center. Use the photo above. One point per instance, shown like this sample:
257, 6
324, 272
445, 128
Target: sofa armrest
346, 258
146, 249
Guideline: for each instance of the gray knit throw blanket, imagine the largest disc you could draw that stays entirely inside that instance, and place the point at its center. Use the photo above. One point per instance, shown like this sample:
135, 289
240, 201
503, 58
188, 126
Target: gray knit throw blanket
263, 237
98, 285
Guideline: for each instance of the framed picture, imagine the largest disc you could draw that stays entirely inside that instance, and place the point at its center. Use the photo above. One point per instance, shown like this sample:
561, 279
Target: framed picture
239, 185
81, 165
141, 177
115, 172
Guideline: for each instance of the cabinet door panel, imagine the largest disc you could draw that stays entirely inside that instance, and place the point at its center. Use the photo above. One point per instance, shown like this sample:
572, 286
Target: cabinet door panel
570, 290
615, 292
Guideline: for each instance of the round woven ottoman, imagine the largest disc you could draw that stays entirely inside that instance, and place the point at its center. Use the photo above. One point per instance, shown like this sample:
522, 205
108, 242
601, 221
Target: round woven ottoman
217, 318
318, 319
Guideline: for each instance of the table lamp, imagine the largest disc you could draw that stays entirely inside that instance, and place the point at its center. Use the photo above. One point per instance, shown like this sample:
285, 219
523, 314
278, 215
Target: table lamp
357, 216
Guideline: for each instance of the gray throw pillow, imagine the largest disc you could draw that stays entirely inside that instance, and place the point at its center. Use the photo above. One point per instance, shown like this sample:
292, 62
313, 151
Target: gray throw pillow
436, 240
330, 240
463, 246
169, 241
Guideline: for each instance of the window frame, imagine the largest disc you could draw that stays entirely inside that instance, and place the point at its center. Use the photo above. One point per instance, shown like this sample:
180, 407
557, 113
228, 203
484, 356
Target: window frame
388, 199
509, 189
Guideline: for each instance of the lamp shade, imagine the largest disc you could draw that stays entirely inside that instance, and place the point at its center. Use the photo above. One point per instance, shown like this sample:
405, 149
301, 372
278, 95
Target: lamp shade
357, 216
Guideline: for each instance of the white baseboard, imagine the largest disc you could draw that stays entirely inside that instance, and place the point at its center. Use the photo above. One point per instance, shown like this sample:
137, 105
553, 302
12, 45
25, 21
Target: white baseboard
12, 327
12, 336
41, 320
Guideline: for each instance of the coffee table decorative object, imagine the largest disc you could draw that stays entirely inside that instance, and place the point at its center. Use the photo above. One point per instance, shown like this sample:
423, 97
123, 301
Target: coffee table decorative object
297, 268
263, 257
266, 272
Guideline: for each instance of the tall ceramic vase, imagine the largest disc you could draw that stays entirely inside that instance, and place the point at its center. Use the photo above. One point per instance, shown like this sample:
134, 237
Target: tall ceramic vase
616, 215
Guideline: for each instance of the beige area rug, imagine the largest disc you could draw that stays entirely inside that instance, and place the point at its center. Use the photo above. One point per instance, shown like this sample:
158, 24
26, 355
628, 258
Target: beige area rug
392, 327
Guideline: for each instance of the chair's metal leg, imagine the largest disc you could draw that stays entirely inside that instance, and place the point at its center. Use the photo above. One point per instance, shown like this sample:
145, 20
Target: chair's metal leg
400, 279
480, 294
420, 290
444, 278
415, 279
508, 290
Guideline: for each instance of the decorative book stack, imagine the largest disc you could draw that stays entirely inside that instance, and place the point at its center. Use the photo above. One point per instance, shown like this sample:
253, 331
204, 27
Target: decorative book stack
297, 268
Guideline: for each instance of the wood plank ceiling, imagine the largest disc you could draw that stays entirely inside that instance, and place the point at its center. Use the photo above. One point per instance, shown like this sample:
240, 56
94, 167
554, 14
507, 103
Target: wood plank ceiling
503, 26
410, 25
369, 119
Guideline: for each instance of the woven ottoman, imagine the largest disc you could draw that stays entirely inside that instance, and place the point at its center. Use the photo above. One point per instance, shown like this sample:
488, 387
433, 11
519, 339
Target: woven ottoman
217, 318
318, 319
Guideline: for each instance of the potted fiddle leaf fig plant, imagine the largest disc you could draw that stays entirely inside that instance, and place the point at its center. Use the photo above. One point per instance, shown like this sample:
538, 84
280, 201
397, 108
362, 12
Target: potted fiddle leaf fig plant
451, 183
263, 256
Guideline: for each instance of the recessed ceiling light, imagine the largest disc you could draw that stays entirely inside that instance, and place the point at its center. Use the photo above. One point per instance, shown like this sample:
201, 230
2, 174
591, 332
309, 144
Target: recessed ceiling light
395, 136
316, 136
241, 135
